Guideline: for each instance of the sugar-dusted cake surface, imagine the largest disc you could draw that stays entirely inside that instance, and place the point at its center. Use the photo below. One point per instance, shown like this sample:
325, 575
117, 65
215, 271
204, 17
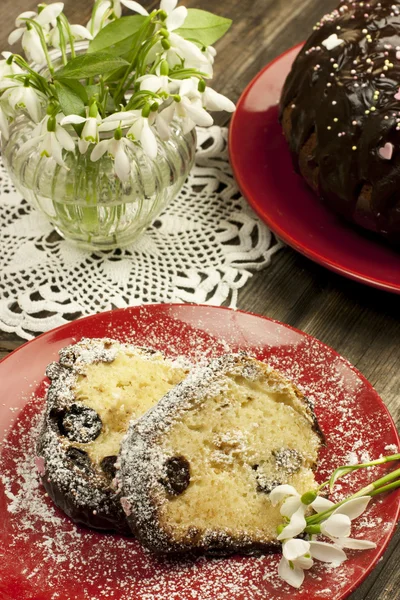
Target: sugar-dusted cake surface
196, 471
340, 112
97, 387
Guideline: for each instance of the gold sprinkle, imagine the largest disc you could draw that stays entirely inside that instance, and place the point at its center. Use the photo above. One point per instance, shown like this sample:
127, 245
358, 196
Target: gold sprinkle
367, 112
354, 148
329, 127
365, 31
336, 119
373, 108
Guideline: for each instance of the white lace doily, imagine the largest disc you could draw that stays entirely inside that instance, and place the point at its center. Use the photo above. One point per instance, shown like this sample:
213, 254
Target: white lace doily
202, 249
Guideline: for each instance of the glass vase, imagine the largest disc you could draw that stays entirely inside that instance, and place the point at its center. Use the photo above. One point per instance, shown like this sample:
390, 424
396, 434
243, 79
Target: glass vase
87, 203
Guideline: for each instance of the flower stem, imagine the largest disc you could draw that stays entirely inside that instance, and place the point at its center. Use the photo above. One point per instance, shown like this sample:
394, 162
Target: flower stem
62, 41
376, 487
66, 24
143, 34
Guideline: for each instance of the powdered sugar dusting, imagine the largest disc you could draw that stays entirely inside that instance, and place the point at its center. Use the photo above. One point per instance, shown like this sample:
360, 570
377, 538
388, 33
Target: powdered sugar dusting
49, 556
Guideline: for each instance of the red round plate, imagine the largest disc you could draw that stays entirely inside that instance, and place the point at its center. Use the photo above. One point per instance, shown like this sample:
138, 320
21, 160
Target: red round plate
44, 556
263, 168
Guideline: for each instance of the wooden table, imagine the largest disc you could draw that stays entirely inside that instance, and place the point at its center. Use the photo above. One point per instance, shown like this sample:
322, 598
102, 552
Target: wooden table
361, 323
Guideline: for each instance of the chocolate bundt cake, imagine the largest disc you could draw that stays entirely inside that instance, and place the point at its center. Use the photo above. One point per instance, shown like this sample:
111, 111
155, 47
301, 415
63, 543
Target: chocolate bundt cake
196, 471
97, 386
340, 112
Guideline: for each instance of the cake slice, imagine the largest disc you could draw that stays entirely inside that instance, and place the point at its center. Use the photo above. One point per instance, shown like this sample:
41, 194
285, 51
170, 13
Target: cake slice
196, 471
97, 387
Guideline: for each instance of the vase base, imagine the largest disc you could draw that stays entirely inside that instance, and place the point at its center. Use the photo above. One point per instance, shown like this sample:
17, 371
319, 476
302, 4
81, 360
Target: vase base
100, 243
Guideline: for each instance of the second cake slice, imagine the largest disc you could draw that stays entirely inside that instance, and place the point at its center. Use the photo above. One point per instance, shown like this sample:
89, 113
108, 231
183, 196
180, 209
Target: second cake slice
196, 471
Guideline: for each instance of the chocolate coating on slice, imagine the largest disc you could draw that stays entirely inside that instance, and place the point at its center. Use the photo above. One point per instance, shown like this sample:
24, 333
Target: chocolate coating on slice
340, 110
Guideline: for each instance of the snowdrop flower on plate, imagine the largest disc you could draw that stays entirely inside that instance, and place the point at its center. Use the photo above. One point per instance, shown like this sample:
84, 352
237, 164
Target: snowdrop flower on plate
116, 148
298, 555
290, 496
31, 42
51, 139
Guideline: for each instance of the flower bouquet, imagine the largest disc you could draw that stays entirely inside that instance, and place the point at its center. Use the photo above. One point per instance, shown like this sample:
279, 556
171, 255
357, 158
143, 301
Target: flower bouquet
98, 122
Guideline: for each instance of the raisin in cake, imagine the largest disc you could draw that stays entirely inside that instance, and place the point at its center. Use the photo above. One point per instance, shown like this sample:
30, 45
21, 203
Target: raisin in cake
196, 471
97, 386
340, 111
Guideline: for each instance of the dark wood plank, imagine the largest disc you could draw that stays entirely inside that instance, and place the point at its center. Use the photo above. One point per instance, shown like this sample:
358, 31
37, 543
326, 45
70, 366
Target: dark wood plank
361, 323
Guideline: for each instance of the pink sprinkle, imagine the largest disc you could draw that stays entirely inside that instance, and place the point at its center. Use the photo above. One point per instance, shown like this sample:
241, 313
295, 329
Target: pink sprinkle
398, 54
386, 152
397, 95
40, 465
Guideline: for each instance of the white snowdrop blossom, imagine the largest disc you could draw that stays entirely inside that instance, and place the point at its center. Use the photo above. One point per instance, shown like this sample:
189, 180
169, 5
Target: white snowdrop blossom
99, 19
298, 554
90, 131
79, 32
116, 147
25, 97
51, 139
292, 500
210, 99
139, 128
157, 83
9, 67
31, 42
175, 16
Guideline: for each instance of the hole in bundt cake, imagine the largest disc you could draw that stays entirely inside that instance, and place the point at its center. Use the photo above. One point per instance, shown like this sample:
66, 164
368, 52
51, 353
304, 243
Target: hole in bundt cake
80, 424
79, 457
177, 475
108, 466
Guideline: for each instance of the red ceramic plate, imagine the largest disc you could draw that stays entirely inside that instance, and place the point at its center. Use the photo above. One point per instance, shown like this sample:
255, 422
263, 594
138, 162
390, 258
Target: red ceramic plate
263, 169
43, 556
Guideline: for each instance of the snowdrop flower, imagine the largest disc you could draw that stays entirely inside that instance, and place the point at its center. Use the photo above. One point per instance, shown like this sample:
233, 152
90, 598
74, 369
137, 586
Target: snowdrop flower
163, 121
140, 128
207, 62
79, 32
296, 525
30, 38
51, 139
22, 96
175, 16
292, 500
155, 83
99, 19
298, 555
338, 525
8, 66
6, 114
117, 149
105, 9
210, 99
90, 131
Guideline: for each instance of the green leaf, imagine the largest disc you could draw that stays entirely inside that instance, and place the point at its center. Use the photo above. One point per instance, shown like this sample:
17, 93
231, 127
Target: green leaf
118, 36
90, 65
71, 97
203, 26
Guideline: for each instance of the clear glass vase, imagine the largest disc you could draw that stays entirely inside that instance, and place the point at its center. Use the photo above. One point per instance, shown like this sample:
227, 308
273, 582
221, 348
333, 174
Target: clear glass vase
88, 203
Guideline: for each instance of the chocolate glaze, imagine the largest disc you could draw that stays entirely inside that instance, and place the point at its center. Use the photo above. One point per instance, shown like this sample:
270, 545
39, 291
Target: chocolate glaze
346, 97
